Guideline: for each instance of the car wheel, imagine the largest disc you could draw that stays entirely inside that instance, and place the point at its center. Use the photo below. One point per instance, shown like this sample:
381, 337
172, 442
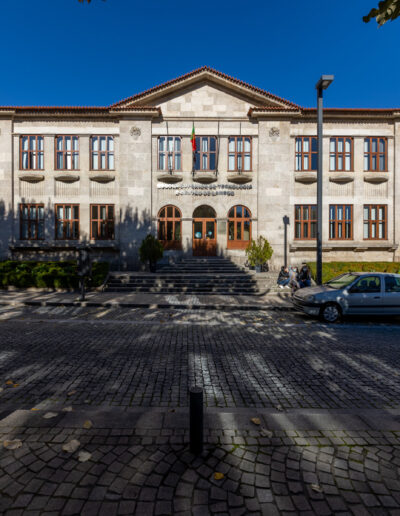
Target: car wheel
330, 312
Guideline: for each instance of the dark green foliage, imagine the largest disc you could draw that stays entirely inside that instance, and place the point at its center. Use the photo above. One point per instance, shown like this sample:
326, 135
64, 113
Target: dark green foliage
151, 250
258, 251
47, 274
332, 269
99, 273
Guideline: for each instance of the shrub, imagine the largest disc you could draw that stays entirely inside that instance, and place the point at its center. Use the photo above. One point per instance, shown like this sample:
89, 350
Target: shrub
151, 250
99, 273
47, 274
258, 252
332, 269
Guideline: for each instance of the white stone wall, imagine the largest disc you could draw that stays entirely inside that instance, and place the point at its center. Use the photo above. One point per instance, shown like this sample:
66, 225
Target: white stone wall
6, 203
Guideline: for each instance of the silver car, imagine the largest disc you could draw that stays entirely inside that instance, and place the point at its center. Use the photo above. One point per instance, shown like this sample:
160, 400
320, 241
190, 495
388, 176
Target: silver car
353, 293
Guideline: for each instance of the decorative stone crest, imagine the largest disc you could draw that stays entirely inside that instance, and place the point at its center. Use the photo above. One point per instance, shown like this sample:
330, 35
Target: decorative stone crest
274, 132
135, 132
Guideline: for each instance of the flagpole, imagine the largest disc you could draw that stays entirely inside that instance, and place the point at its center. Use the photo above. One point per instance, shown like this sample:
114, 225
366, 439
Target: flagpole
193, 140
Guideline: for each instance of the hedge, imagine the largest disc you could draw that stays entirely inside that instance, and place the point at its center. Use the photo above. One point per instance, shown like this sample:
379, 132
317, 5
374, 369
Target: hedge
332, 269
47, 274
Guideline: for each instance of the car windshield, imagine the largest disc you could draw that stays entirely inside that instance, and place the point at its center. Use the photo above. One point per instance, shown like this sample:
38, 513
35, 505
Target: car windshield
341, 281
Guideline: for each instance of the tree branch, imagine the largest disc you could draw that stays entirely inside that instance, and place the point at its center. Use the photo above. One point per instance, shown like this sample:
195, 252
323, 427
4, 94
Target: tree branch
387, 10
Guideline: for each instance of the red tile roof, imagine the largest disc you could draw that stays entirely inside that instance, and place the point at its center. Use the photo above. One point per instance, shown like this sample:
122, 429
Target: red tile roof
56, 108
388, 111
198, 71
76, 109
135, 108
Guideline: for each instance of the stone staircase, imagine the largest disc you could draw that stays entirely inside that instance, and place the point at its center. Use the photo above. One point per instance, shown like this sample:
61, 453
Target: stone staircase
207, 276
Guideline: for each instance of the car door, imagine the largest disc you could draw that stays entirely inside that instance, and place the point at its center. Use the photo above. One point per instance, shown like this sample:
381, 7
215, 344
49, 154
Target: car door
391, 295
365, 296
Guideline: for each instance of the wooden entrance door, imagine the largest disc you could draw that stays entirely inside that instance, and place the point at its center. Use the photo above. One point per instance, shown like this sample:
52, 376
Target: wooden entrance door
204, 237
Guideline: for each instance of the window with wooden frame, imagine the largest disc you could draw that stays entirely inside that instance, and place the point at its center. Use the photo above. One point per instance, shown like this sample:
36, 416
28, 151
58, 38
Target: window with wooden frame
340, 222
239, 153
305, 222
306, 153
341, 154
169, 227
375, 222
239, 227
102, 153
102, 221
31, 148
170, 153
31, 220
206, 153
67, 221
375, 154
67, 152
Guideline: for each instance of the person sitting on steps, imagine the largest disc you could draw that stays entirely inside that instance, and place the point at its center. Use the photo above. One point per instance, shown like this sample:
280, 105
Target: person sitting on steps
283, 278
305, 276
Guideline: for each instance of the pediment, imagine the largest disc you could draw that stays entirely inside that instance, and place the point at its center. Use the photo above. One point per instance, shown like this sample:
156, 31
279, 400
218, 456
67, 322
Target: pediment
207, 92
204, 99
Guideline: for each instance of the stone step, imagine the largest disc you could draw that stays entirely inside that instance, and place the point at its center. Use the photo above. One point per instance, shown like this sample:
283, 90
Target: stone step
205, 275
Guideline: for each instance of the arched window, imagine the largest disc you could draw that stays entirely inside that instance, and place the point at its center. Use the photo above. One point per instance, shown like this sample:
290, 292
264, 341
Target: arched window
204, 212
239, 227
169, 227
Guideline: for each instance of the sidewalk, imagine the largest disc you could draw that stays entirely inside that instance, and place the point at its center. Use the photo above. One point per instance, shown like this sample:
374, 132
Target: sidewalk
139, 462
273, 301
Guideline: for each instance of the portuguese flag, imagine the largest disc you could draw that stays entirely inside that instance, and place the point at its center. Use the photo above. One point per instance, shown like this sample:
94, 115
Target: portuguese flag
193, 139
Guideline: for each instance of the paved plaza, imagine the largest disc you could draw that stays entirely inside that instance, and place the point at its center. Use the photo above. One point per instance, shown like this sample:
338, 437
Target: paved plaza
300, 417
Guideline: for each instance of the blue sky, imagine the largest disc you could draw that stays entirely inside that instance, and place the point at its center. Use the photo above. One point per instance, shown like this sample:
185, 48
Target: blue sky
61, 52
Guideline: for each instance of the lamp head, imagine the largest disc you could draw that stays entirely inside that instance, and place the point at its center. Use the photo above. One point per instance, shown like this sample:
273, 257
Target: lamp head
324, 81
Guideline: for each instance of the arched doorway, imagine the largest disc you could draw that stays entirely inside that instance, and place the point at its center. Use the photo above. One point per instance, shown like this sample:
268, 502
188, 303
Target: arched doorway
204, 231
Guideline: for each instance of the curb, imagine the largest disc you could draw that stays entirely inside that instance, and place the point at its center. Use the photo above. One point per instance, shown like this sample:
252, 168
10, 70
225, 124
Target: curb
160, 306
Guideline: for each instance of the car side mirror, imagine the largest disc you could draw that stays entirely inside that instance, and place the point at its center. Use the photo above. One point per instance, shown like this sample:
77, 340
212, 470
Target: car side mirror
354, 290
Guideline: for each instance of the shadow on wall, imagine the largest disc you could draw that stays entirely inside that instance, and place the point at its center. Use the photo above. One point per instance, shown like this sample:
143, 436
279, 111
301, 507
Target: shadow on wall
5, 229
121, 252
131, 229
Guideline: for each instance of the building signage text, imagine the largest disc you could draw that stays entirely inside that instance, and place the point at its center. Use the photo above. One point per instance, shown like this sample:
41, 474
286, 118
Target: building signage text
208, 190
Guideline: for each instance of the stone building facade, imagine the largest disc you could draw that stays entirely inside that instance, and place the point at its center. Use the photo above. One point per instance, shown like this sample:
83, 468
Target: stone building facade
106, 177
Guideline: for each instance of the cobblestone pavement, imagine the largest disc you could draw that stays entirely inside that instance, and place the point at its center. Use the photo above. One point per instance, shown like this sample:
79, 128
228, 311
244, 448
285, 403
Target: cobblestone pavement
326, 439
153, 473
146, 359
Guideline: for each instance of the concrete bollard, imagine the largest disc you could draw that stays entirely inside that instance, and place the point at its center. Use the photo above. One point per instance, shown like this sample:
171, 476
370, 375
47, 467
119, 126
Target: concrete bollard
196, 420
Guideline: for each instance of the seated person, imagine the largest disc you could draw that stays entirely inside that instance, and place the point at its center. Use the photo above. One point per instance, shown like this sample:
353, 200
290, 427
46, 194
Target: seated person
305, 276
283, 278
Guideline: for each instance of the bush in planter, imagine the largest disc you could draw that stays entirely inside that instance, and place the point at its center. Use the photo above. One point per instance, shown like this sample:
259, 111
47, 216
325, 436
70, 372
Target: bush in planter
258, 252
99, 273
151, 250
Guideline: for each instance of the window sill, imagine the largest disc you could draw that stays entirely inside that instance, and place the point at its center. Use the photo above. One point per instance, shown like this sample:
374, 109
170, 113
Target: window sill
376, 177
31, 177
104, 177
165, 177
351, 245
68, 178
305, 177
205, 177
55, 245
240, 178
341, 177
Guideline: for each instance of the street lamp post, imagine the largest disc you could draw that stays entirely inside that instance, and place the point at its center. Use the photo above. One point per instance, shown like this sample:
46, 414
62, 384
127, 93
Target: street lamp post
322, 84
